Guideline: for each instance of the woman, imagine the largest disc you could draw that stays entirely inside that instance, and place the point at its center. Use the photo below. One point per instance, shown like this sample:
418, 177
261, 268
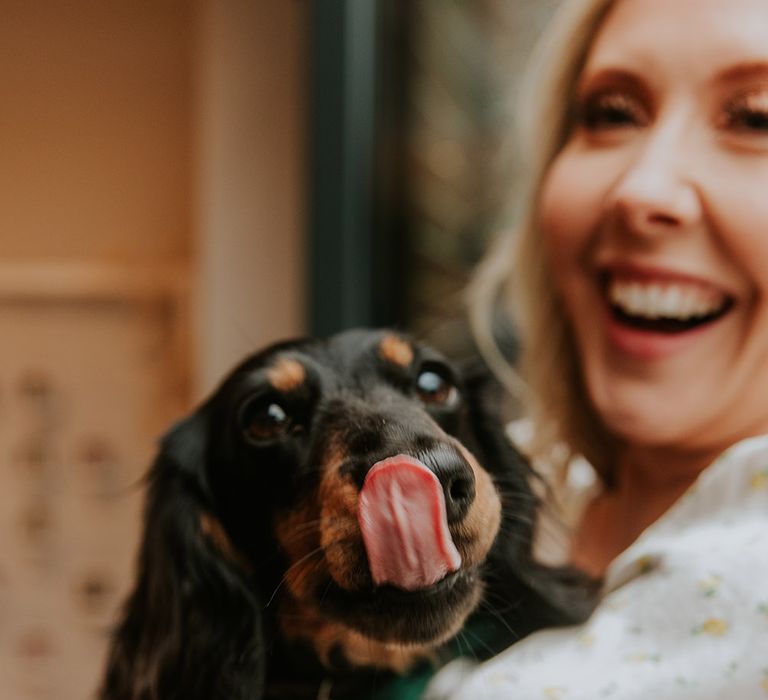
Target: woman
641, 281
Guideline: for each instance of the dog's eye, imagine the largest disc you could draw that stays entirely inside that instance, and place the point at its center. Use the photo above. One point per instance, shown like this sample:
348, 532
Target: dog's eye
264, 420
433, 388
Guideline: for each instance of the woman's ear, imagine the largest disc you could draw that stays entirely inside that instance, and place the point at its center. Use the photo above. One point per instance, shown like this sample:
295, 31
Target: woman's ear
192, 626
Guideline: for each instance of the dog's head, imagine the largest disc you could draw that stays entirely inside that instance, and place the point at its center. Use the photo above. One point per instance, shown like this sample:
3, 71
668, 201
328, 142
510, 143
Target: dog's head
348, 455
352, 485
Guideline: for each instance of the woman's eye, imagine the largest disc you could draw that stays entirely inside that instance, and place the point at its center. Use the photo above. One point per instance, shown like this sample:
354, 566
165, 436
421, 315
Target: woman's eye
612, 110
748, 112
433, 388
262, 421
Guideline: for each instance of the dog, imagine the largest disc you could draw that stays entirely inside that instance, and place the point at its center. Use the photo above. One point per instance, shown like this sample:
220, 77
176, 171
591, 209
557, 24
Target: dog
339, 518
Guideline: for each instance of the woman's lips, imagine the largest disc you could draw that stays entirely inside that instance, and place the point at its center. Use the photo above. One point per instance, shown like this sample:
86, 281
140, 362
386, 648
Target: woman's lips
650, 316
662, 299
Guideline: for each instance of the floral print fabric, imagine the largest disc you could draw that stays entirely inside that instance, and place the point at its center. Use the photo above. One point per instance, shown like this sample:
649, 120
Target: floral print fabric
684, 611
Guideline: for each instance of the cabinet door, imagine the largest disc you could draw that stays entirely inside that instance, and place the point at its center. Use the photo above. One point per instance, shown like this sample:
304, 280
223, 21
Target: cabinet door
85, 390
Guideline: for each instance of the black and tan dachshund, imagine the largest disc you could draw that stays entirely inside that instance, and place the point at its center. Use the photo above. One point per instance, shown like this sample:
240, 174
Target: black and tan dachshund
337, 519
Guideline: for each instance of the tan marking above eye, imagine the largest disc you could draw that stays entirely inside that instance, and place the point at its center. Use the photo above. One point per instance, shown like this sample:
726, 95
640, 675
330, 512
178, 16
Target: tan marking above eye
396, 350
287, 374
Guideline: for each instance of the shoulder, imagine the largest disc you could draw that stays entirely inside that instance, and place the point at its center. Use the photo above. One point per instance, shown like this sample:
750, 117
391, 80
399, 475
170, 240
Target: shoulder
684, 612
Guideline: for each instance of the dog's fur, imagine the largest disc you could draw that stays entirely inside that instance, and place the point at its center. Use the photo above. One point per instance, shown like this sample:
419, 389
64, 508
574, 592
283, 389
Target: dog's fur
253, 580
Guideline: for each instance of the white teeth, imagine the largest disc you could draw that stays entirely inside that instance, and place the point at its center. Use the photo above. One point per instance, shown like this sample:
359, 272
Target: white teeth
677, 300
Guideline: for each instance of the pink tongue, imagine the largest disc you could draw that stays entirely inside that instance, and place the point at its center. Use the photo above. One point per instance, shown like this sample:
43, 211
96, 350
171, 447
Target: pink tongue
401, 511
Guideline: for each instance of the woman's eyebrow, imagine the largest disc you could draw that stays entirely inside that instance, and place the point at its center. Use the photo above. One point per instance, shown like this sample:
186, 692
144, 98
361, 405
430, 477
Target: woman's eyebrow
607, 77
742, 71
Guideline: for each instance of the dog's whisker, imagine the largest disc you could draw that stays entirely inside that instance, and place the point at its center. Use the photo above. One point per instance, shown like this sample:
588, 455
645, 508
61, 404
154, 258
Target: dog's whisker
310, 527
325, 592
516, 531
307, 573
300, 561
519, 516
512, 492
299, 532
307, 524
463, 639
498, 614
498, 608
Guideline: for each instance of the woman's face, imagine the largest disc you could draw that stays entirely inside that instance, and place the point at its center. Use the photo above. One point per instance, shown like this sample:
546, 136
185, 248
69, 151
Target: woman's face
655, 219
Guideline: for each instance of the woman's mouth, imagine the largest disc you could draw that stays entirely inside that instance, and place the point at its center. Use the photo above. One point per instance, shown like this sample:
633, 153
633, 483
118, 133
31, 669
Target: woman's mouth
665, 306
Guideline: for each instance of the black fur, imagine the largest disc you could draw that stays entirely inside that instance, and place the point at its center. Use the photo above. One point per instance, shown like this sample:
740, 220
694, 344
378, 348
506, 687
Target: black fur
204, 620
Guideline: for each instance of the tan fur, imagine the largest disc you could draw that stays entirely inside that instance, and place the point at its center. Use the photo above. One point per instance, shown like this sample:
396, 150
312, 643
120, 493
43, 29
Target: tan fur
327, 521
483, 520
396, 350
331, 523
287, 374
297, 533
304, 622
339, 530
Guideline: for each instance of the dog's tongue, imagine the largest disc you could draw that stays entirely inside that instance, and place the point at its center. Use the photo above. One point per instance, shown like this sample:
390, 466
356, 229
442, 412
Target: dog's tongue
402, 516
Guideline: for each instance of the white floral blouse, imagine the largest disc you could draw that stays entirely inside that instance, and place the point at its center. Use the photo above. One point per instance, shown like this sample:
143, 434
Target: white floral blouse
684, 613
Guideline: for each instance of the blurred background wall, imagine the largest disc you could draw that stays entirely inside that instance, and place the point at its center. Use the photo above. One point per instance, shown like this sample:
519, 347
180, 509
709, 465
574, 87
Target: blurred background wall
151, 233
249, 178
182, 181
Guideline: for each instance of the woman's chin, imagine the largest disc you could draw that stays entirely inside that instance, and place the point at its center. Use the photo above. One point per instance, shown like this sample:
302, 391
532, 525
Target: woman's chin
651, 418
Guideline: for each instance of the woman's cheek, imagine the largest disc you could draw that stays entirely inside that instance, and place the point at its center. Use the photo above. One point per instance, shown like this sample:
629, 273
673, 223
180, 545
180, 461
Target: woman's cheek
564, 217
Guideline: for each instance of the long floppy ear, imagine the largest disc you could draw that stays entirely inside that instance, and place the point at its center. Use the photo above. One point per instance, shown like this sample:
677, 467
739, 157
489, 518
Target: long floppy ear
528, 595
191, 628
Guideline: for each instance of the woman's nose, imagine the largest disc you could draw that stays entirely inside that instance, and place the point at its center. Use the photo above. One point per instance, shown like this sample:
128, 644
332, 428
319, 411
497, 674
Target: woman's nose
657, 192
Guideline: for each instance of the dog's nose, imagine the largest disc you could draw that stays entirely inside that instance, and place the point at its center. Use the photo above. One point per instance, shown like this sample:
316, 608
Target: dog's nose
459, 488
455, 476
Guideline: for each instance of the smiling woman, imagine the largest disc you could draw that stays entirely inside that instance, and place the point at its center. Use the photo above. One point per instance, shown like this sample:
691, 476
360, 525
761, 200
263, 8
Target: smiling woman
640, 285
649, 216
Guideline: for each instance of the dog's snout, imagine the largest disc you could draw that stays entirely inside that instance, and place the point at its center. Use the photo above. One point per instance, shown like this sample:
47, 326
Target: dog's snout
457, 479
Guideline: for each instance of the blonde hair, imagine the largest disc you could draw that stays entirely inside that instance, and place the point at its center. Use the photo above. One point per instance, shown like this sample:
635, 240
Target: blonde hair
516, 270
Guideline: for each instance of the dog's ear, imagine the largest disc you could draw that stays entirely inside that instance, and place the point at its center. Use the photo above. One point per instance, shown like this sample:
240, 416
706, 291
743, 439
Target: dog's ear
191, 628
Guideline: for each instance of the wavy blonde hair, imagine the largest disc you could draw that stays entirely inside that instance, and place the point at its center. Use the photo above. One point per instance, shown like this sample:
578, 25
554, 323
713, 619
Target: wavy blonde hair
516, 271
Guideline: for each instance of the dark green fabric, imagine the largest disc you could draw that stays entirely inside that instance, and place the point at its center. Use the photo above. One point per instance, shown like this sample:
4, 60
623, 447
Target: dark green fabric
408, 687
481, 638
